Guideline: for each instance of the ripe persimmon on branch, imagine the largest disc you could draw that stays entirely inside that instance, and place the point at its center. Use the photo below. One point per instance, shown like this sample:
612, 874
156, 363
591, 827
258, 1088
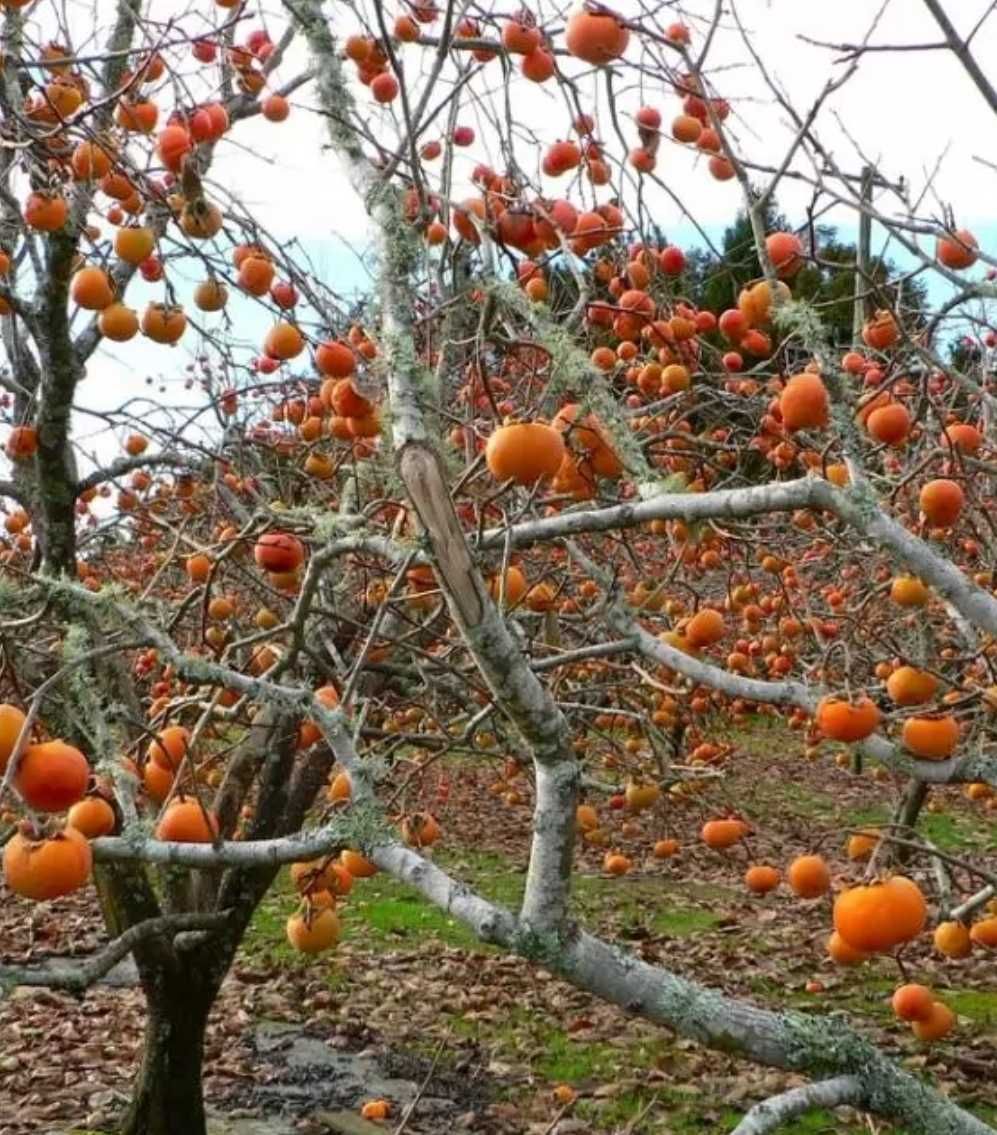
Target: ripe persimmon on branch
542, 490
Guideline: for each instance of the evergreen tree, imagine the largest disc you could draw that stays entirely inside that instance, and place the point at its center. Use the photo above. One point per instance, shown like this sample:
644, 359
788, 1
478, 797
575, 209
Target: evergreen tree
827, 280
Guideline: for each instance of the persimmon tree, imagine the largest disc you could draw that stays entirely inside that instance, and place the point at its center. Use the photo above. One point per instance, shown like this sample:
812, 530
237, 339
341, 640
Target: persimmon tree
524, 505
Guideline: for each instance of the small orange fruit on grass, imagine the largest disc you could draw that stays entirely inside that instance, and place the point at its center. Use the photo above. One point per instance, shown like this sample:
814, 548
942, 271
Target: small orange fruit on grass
586, 818
616, 864
953, 940
639, 797
939, 1022
721, 834
861, 845
375, 1109
666, 848
913, 1002
761, 879
984, 933
809, 876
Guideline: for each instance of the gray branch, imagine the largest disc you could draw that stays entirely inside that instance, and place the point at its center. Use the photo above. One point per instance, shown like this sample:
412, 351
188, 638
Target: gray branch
961, 51
145, 461
77, 978
772, 1113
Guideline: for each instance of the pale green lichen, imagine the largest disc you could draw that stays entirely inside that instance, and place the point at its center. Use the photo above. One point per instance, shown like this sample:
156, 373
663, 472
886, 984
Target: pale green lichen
571, 371
543, 947
363, 828
801, 318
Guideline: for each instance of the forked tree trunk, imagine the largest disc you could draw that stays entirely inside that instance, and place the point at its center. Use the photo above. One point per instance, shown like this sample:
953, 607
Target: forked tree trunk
168, 1097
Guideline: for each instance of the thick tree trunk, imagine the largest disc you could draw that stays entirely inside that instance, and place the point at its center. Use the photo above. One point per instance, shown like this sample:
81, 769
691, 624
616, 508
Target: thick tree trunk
167, 1097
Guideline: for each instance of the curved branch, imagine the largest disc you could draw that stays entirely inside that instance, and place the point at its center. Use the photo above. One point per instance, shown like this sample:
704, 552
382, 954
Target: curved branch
125, 465
793, 1041
772, 1113
75, 979
236, 853
961, 51
856, 506
859, 508
727, 504
964, 769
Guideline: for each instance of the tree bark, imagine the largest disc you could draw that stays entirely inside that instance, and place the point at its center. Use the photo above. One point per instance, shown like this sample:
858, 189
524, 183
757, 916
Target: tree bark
168, 1097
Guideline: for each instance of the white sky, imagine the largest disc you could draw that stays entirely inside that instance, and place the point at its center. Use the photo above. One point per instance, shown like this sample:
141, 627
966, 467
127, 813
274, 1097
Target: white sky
905, 110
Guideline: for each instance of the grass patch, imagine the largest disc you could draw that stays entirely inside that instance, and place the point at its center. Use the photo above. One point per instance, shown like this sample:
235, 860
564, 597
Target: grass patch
946, 830
679, 923
630, 902
380, 912
955, 833
976, 1004
493, 876
866, 817
615, 1113
388, 913
528, 1037
566, 1061
647, 904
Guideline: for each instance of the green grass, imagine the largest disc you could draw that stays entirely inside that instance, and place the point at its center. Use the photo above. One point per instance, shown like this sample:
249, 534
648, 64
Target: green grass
976, 1004
384, 913
389, 914
566, 1061
528, 1036
615, 1113
629, 902
675, 1113
947, 831
493, 876
679, 923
